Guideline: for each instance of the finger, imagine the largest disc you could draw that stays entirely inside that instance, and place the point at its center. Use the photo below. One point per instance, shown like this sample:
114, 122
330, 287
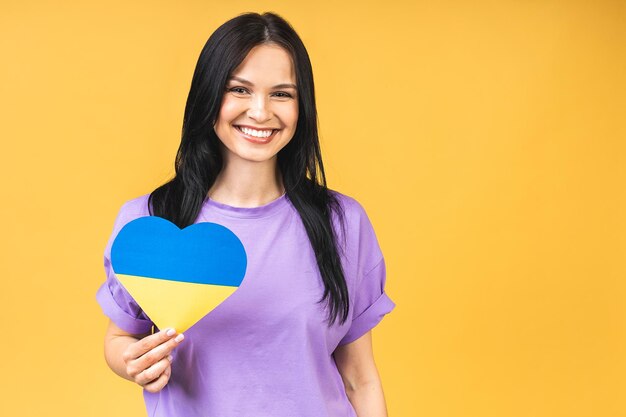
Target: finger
153, 372
158, 384
142, 346
156, 354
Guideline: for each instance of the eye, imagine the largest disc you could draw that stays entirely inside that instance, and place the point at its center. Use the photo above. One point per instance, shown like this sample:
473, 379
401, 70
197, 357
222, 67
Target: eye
284, 95
238, 90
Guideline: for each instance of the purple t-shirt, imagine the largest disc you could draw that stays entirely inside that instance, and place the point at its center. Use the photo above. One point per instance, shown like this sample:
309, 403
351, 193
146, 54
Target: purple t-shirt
266, 351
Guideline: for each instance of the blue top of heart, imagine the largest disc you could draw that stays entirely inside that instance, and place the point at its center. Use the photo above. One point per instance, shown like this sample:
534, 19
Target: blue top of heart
203, 253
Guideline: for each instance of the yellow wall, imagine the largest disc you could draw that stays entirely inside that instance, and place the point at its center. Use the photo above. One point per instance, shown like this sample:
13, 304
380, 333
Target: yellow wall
486, 141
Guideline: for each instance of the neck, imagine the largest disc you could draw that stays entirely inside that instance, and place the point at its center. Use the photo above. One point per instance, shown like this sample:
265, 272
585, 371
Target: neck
243, 183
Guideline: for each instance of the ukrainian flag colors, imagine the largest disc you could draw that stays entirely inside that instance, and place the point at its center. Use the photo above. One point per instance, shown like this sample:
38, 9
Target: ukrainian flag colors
177, 276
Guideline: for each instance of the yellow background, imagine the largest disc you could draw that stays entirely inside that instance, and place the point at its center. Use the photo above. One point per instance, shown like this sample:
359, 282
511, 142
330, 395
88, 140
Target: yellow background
486, 141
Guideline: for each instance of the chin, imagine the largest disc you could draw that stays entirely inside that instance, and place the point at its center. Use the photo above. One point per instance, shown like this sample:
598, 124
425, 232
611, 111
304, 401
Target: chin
255, 157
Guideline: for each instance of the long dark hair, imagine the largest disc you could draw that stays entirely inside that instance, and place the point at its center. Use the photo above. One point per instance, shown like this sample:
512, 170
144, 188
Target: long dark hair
199, 160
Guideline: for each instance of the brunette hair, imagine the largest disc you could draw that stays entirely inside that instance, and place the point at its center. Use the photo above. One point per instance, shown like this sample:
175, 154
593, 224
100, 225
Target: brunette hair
199, 160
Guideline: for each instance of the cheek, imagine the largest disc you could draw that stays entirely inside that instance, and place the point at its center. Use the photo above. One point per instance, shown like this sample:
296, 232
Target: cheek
228, 111
294, 117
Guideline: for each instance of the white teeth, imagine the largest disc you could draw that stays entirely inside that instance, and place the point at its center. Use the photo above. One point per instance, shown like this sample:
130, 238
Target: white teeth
256, 133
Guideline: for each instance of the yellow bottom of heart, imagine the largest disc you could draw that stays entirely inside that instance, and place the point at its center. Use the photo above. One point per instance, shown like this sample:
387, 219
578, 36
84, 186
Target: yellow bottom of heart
173, 303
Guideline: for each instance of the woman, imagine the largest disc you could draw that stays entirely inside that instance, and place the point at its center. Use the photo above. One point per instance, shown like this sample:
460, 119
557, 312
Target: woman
294, 339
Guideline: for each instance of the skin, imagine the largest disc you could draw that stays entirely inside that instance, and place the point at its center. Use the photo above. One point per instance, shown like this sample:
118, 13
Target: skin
250, 178
355, 362
141, 358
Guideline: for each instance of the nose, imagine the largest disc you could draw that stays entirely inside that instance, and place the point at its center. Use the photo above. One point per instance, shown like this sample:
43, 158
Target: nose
259, 109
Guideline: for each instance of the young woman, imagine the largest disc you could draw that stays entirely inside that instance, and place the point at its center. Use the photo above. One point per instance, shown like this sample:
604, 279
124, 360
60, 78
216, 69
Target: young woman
294, 339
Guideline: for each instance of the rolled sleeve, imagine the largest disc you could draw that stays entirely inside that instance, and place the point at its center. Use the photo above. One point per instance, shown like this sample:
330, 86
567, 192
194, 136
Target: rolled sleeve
371, 304
369, 318
120, 311
115, 301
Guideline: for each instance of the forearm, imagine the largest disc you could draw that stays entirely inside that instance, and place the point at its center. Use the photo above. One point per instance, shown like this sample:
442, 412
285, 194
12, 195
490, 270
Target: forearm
368, 399
113, 349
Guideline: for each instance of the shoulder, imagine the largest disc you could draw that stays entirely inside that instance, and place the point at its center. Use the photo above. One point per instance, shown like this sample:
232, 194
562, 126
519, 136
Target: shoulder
128, 211
134, 208
356, 218
360, 238
352, 208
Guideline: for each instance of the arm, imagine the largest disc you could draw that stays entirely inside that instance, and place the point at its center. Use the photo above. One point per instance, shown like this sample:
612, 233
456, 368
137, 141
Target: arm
355, 362
116, 342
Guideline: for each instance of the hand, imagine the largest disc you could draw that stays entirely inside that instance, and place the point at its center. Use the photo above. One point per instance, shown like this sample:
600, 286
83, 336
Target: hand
148, 361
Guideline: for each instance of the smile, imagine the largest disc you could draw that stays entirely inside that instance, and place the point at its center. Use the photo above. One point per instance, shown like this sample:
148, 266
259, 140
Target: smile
257, 136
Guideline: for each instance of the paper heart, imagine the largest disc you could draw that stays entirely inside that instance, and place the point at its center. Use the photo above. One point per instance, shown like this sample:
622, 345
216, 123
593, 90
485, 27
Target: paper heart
177, 276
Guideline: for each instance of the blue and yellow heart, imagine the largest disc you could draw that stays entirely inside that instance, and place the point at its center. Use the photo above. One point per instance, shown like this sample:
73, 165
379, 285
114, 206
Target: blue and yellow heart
177, 276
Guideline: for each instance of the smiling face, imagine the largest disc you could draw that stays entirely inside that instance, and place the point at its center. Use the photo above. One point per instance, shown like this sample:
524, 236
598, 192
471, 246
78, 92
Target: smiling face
259, 111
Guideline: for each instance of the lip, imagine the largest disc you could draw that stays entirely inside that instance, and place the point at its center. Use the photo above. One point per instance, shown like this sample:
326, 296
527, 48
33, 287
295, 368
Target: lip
258, 127
254, 139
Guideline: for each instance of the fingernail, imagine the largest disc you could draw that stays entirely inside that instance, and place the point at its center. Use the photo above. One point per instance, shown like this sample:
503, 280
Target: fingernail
170, 332
180, 337
170, 358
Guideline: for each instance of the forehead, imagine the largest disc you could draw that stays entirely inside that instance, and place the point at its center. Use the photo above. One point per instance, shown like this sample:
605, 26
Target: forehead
267, 64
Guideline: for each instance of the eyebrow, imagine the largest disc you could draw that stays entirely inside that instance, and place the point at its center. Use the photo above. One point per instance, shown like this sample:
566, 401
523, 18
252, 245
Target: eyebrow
244, 81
